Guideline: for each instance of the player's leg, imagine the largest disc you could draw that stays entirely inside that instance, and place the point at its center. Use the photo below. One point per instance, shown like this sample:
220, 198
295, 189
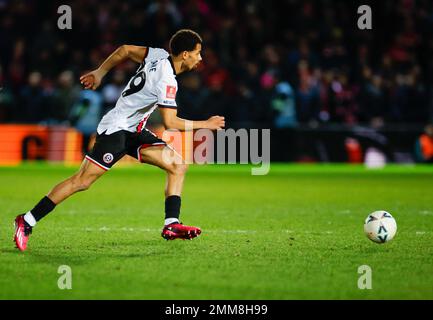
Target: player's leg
82, 180
108, 149
176, 169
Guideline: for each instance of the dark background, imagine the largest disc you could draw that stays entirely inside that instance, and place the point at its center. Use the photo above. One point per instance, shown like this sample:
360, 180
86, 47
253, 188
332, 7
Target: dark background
301, 68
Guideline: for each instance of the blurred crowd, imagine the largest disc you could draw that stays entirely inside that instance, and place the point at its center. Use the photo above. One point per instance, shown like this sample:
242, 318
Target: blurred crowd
268, 62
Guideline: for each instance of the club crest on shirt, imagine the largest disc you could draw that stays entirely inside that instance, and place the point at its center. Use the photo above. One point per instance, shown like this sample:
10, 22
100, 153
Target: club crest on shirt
171, 92
108, 158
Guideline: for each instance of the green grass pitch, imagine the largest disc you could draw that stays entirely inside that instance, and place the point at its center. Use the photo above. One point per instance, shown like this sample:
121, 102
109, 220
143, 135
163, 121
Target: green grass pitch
296, 233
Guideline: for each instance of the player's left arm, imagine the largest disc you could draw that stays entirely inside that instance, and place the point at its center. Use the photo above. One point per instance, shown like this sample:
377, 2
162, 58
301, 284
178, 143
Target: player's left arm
172, 121
92, 80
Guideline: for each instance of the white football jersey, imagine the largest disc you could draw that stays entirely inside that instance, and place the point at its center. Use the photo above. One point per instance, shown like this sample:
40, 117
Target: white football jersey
153, 85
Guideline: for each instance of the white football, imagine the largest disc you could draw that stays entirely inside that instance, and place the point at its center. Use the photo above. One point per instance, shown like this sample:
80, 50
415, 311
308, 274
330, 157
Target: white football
380, 226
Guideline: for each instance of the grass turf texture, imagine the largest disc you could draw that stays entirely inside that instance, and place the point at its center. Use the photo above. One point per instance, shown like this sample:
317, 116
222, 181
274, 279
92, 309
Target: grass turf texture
296, 233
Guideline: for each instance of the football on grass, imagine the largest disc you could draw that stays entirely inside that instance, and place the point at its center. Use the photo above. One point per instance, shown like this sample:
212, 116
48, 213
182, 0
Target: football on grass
380, 226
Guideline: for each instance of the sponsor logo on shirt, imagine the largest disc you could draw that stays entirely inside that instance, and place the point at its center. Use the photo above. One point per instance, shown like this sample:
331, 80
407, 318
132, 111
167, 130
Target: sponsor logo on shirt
170, 93
169, 102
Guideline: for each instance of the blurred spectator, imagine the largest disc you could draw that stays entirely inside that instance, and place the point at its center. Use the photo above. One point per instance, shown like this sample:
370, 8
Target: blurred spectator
308, 95
17, 65
214, 73
33, 99
63, 98
343, 106
112, 90
244, 108
215, 102
424, 145
6, 100
373, 99
165, 15
191, 96
283, 104
86, 113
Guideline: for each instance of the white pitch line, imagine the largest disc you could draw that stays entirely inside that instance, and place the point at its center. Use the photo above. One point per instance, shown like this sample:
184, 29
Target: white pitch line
426, 213
345, 211
129, 229
124, 229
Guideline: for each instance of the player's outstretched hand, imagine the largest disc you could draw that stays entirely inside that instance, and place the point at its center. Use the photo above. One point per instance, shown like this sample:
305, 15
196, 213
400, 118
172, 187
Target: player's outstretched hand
216, 123
92, 80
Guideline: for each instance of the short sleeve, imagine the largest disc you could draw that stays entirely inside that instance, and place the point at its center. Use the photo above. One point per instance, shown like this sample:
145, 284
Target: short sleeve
166, 92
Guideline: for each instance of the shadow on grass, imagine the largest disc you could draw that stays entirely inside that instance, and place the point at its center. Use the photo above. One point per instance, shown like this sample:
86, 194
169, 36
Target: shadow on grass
88, 254
11, 250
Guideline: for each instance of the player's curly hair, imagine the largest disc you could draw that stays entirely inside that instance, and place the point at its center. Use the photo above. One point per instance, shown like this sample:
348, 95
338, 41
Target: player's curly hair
184, 40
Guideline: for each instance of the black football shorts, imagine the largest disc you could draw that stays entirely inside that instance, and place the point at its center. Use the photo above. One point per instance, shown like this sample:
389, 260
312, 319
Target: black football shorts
109, 149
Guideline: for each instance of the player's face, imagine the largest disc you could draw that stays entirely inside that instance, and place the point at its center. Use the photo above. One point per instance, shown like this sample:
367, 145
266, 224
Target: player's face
193, 57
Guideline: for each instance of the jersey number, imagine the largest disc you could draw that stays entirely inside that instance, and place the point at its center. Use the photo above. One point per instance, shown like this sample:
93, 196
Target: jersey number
136, 84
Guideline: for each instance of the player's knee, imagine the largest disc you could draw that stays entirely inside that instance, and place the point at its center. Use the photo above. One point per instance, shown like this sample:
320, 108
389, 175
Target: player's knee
84, 185
80, 183
178, 169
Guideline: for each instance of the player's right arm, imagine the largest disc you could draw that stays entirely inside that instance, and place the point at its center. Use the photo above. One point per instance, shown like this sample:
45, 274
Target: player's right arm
92, 80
